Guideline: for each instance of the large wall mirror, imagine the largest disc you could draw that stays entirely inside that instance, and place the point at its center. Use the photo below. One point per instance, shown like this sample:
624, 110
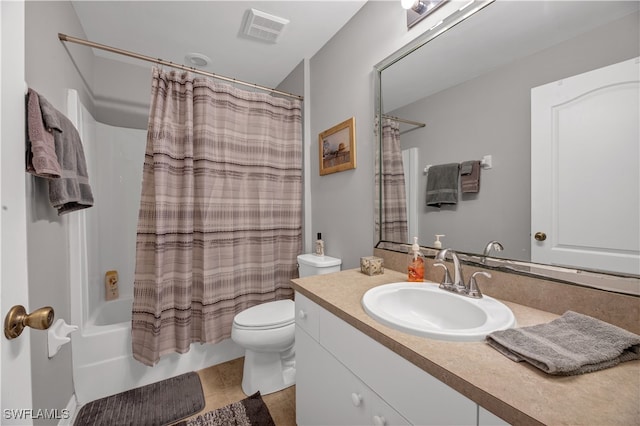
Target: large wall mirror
476, 89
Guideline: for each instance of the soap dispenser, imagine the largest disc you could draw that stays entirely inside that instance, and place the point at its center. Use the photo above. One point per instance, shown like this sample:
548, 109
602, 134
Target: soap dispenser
416, 263
437, 243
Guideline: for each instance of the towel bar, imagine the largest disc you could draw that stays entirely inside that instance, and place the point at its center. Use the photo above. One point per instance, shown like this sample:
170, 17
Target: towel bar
486, 163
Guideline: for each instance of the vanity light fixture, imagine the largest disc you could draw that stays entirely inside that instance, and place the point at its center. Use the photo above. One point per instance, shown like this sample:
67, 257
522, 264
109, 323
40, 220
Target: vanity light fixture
417, 10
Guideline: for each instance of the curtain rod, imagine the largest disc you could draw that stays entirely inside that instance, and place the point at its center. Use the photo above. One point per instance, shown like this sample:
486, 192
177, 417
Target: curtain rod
402, 120
71, 39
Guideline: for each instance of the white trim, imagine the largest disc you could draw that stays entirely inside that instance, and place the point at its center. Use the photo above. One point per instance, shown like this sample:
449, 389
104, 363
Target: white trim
72, 409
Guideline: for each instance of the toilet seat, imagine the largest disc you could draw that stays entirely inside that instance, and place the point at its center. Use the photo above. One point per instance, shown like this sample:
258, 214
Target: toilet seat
265, 316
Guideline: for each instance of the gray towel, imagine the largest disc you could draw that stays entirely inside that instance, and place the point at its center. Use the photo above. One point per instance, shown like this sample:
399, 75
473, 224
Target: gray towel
71, 191
442, 184
41, 151
569, 345
470, 176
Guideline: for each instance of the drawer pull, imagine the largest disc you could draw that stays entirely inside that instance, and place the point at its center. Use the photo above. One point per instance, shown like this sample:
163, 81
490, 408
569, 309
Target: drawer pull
302, 314
356, 398
379, 421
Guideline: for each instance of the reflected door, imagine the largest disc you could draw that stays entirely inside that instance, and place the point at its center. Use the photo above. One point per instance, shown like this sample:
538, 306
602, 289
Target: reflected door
585, 178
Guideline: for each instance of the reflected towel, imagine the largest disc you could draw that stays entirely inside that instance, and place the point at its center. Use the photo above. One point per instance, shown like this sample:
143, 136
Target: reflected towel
470, 176
41, 151
72, 191
442, 184
569, 345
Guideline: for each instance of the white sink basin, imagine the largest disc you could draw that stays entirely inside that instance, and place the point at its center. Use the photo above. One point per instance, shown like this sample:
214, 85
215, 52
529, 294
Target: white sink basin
425, 310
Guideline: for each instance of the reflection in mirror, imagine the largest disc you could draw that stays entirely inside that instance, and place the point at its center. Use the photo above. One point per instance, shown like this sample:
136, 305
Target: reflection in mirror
473, 86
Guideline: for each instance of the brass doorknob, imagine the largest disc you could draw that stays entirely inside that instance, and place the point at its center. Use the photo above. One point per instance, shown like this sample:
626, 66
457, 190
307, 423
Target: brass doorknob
540, 236
17, 319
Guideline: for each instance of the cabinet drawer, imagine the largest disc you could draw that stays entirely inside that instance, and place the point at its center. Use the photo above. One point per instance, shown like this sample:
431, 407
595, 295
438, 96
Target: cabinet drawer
418, 396
307, 315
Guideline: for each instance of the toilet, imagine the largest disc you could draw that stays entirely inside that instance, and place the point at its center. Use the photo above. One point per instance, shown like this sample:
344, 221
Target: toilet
267, 331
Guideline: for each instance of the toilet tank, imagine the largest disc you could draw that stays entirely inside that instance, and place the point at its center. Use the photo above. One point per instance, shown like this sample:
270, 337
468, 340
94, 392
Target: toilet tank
310, 264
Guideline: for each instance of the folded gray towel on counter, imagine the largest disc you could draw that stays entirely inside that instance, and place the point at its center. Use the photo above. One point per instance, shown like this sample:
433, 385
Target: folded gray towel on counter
442, 184
71, 191
569, 345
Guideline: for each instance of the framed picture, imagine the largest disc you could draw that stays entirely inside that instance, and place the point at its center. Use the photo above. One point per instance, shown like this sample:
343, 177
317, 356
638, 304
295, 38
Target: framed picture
338, 147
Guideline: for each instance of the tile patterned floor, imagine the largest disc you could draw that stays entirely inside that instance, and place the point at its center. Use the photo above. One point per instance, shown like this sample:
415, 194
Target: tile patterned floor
221, 385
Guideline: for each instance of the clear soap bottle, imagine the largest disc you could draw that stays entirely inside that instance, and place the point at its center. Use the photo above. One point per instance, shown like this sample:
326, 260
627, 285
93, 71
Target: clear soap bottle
416, 263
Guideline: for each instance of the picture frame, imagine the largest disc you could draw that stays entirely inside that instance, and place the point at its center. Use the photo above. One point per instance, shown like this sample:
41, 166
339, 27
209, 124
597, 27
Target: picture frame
337, 148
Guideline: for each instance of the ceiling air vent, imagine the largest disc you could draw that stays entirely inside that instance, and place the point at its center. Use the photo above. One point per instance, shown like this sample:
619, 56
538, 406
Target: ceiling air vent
264, 26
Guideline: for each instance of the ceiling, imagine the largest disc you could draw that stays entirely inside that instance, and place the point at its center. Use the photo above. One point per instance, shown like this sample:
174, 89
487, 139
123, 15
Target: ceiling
171, 29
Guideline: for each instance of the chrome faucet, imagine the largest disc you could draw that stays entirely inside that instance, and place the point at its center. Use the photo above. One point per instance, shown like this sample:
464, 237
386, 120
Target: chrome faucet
493, 245
458, 280
457, 285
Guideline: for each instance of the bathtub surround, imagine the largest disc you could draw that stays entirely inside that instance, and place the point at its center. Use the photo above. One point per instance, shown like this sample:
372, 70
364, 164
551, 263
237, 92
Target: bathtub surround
220, 221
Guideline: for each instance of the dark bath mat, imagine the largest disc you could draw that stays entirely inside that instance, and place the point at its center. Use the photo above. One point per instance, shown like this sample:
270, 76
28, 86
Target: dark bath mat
160, 403
251, 411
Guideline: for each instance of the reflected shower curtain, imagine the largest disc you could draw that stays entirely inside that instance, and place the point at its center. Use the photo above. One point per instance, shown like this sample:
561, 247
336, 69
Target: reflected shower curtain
394, 202
220, 221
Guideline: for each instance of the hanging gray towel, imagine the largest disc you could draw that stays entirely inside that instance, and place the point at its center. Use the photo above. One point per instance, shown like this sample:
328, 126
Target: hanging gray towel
71, 191
41, 151
470, 176
569, 345
442, 184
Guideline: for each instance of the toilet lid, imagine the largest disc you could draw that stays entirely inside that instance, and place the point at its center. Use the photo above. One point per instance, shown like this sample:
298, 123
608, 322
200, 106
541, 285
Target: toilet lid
267, 315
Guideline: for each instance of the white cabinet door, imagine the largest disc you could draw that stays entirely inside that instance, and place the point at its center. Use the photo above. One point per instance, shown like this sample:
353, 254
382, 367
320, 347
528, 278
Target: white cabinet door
326, 394
585, 174
418, 396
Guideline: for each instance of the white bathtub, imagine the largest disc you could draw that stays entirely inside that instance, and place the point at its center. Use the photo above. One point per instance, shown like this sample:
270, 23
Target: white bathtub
103, 362
113, 312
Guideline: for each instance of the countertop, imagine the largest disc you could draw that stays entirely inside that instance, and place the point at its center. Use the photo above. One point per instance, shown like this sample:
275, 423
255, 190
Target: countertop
516, 392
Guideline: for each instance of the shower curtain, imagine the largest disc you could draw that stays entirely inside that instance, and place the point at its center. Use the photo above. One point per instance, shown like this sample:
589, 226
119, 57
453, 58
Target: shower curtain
220, 220
394, 202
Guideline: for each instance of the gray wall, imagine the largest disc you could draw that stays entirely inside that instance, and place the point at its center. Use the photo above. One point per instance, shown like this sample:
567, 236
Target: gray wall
491, 115
50, 71
342, 86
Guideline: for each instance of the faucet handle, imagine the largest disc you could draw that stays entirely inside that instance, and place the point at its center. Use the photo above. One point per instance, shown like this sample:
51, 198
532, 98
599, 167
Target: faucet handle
446, 282
474, 290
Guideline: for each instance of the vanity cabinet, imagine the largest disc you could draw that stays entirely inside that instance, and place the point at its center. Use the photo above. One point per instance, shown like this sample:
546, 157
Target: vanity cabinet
344, 377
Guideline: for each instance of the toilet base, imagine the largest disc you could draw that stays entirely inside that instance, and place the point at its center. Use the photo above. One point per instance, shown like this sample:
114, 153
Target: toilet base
268, 372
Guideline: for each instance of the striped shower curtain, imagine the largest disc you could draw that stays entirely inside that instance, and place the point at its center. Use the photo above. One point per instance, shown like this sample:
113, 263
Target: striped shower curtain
220, 220
394, 203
